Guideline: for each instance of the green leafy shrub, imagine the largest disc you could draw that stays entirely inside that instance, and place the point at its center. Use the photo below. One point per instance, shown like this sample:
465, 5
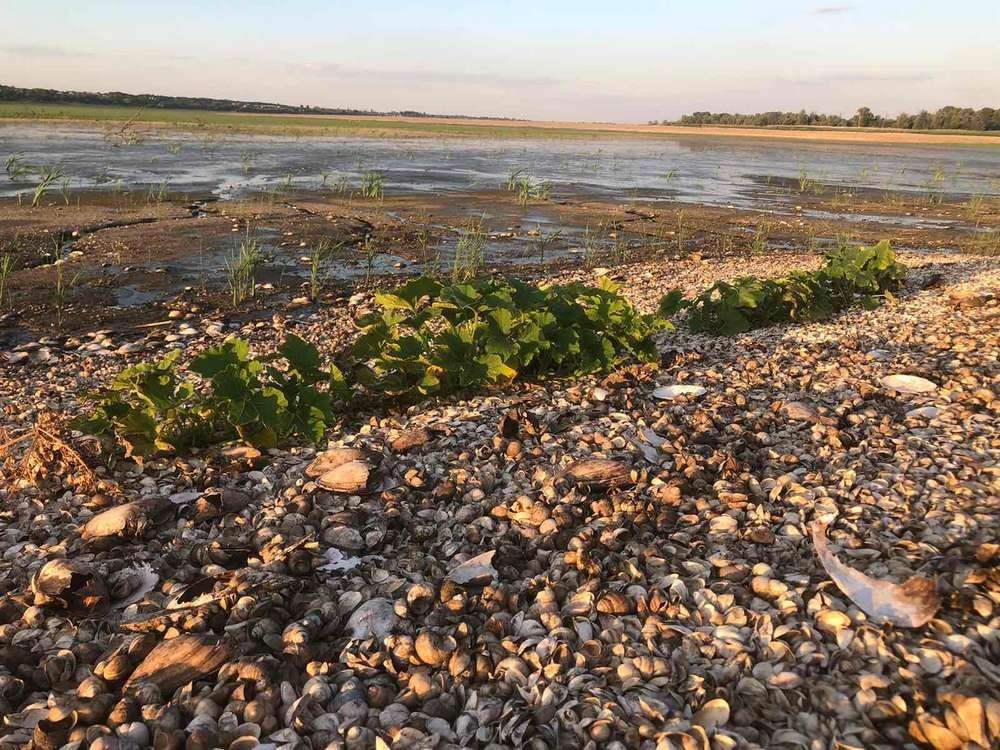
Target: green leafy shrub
434, 339
152, 408
849, 276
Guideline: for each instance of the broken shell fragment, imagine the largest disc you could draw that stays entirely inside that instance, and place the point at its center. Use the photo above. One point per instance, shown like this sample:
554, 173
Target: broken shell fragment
477, 570
71, 585
407, 440
599, 473
909, 605
910, 384
670, 392
180, 660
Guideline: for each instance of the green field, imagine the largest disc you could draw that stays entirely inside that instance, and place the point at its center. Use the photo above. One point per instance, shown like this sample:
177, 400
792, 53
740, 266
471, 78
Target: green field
263, 123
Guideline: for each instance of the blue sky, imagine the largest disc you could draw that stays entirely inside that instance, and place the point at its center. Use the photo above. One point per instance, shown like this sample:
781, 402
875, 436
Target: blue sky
548, 59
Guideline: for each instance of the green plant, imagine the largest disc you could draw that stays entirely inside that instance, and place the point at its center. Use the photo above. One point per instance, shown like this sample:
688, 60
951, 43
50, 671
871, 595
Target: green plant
804, 182
436, 339
373, 185
174, 148
760, 234
849, 275
513, 176
528, 188
7, 262
370, 250
318, 271
151, 408
544, 241
157, 193
241, 269
47, 175
61, 289
621, 248
470, 250
591, 247
246, 161
16, 168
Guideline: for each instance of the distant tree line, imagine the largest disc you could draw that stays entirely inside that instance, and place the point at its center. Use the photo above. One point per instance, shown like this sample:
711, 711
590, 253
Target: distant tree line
156, 101
946, 118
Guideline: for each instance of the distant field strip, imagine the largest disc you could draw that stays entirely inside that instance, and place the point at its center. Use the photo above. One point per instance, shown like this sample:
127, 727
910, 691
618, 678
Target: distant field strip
441, 126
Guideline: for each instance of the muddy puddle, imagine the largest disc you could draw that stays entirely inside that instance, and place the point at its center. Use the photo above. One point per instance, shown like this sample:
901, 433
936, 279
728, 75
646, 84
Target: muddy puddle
753, 175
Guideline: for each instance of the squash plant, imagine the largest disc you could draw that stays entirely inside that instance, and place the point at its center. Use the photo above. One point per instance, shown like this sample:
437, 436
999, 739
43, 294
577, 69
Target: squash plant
152, 408
434, 339
849, 276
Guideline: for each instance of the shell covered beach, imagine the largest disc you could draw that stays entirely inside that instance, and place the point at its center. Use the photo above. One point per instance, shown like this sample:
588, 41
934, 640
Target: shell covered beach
784, 538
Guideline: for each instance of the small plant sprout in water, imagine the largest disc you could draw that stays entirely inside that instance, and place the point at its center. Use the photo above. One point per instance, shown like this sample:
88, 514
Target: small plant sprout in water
622, 248
528, 188
372, 185
6, 269
17, 169
935, 185
761, 232
544, 241
370, 251
470, 250
174, 148
431, 261
804, 182
63, 284
241, 269
591, 247
670, 176
48, 175
318, 266
246, 161
513, 176
157, 192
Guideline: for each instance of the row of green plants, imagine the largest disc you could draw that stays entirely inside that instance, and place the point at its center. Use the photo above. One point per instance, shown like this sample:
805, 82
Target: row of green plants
849, 276
432, 338
426, 339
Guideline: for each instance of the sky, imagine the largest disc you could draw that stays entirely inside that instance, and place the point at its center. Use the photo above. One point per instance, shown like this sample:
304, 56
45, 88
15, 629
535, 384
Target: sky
579, 60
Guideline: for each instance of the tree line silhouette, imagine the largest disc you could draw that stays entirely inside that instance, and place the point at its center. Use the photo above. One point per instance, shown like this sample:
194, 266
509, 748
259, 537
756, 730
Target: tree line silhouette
946, 118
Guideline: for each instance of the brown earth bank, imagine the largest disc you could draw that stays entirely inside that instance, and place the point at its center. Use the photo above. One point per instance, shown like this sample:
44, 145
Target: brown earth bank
124, 260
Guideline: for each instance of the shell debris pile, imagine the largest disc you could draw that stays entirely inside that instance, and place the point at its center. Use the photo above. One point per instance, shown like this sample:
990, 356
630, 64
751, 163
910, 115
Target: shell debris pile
599, 563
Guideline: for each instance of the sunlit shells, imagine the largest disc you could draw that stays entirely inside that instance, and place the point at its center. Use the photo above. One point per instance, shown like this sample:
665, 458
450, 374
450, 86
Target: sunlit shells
670, 392
910, 384
73, 586
348, 478
475, 570
599, 473
179, 660
909, 605
331, 459
714, 713
123, 520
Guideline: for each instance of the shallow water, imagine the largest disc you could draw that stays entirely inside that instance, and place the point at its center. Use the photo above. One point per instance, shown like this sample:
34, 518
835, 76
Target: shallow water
687, 168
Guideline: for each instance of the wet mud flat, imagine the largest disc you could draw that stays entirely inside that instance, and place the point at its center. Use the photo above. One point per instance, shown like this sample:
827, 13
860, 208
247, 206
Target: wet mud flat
120, 259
